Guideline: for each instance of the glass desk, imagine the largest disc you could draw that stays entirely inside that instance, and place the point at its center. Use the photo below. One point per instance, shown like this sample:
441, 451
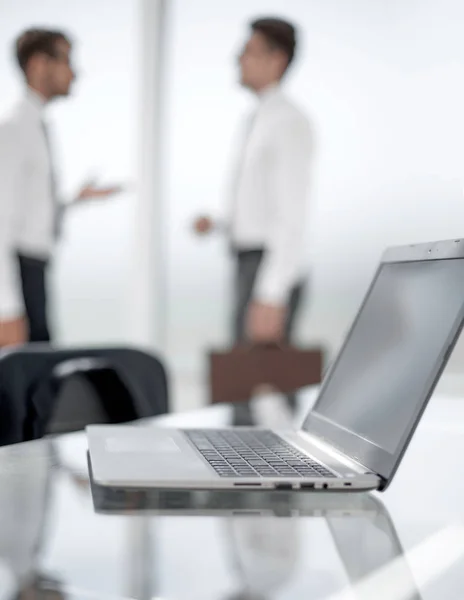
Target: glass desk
63, 538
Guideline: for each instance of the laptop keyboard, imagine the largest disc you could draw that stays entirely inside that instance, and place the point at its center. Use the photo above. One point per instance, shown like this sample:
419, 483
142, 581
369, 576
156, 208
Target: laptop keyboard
248, 453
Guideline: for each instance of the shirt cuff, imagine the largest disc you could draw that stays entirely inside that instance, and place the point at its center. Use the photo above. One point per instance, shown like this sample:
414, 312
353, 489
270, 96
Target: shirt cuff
11, 308
271, 292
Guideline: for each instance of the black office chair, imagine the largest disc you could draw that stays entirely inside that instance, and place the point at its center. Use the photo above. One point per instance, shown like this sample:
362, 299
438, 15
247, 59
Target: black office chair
44, 390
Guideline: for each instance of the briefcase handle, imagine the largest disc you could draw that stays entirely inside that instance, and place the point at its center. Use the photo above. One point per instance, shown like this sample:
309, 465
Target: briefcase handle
246, 347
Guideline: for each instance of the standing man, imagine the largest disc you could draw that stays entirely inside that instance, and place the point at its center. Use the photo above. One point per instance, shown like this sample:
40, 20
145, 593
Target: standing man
30, 212
267, 221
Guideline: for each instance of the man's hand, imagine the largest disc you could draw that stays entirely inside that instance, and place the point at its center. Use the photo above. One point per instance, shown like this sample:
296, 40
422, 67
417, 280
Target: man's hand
265, 323
203, 225
91, 192
13, 332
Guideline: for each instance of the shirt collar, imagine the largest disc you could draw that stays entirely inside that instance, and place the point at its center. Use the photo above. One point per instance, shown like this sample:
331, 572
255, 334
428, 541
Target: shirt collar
269, 91
36, 100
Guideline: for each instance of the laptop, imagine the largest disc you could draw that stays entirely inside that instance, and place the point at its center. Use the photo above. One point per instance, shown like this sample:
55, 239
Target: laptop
368, 407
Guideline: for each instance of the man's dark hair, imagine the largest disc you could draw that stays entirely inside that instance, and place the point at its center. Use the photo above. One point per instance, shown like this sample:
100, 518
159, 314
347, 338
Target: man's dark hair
37, 41
279, 34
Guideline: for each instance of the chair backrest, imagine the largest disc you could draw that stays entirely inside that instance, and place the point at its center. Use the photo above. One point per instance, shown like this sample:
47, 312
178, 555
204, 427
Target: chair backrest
44, 390
77, 405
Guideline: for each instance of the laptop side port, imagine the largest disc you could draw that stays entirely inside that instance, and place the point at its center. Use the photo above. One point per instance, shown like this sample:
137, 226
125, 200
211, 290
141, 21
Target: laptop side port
307, 486
283, 486
245, 484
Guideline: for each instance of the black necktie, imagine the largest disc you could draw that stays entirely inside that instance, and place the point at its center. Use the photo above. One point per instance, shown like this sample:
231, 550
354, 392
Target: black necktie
57, 205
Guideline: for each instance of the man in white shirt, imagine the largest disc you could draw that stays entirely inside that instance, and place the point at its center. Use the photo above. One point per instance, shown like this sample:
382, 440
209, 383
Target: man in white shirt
30, 212
267, 218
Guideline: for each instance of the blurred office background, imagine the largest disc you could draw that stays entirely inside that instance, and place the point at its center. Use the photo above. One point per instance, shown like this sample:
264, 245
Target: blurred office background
383, 83
95, 133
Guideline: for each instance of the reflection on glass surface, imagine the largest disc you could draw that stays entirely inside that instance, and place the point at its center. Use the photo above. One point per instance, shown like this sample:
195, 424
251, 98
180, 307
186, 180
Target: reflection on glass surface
25, 488
263, 534
264, 553
377, 546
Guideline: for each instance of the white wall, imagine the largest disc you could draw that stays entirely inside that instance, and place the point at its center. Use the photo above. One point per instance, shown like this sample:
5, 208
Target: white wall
96, 131
383, 82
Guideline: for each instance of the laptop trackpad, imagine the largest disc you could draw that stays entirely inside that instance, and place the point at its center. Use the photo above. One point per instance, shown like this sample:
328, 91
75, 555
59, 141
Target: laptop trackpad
140, 455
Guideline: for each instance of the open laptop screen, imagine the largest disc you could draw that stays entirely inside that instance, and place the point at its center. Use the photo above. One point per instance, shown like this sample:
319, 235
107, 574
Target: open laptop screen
387, 367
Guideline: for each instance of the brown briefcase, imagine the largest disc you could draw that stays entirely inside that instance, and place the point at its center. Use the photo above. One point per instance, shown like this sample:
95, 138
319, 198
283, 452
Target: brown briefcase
235, 374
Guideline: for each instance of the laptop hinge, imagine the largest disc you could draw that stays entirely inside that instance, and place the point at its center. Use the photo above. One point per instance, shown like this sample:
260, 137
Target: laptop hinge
334, 453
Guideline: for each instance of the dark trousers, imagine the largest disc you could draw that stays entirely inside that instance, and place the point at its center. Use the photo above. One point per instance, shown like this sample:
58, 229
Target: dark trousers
33, 272
247, 267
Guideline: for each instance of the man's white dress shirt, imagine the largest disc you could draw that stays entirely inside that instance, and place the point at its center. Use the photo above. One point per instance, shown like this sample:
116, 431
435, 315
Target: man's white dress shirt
268, 208
27, 203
